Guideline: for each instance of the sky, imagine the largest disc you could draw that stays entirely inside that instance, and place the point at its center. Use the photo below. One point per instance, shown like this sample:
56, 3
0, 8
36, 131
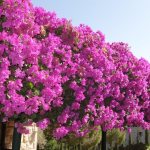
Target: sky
120, 20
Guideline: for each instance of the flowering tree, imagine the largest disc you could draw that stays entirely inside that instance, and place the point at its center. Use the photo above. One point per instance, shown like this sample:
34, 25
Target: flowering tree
53, 73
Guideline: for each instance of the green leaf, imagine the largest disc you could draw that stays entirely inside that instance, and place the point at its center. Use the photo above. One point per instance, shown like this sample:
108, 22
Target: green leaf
29, 85
15, 116
1, 2
59, 30
1, 28
3, 18
40, 86
107, 101
23, 92
36, 92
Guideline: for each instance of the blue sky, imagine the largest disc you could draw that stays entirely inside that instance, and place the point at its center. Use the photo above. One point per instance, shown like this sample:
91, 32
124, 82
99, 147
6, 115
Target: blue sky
120, 20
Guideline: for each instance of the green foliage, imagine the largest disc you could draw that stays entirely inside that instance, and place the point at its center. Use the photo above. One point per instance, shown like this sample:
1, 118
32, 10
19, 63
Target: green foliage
2, 18
29, 85
59, 30
41, 65
116, 136
1, 1
90, 141
26, 86
71, 141
51, 145
139, 146
148, 147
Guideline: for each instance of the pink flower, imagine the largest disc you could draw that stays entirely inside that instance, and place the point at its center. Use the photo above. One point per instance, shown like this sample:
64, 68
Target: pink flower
71, 74
60, 132
43, 124
75, 106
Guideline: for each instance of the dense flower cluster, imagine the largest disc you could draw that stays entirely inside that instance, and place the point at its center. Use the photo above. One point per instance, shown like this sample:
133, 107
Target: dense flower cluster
53, 73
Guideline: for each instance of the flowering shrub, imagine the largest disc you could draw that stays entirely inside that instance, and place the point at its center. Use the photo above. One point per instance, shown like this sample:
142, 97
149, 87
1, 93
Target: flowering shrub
53, 73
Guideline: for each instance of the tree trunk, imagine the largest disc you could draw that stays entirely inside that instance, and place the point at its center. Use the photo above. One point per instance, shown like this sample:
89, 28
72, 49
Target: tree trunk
103, 140
3, 134
16, 140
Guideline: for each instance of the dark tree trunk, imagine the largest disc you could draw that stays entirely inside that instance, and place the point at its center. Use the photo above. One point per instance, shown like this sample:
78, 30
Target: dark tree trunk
16, 140
103, 146
146, 137
3, 134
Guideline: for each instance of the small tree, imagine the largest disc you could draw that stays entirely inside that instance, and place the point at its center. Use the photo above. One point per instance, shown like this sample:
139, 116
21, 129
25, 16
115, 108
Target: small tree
53, 73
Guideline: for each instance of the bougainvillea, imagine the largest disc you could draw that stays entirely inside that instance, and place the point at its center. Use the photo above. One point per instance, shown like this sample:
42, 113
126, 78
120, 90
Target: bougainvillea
70, 78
